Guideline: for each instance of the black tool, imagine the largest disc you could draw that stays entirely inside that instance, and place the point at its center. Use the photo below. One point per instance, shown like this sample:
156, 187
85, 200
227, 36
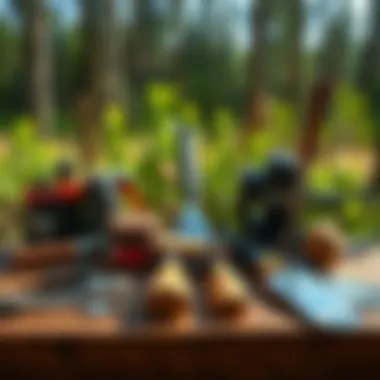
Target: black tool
264, 201
69, 207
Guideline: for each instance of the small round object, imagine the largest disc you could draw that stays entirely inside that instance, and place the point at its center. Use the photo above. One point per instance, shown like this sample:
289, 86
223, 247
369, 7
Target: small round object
283, 171
324, 246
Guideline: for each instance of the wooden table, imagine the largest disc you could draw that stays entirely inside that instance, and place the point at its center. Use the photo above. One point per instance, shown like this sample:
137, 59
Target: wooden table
260, 318
57, 321
68, 321
364, 268
263, 343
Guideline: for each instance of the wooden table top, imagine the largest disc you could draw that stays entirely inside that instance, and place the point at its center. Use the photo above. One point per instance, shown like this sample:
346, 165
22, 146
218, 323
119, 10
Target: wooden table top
364, 268
260, 318
70, 321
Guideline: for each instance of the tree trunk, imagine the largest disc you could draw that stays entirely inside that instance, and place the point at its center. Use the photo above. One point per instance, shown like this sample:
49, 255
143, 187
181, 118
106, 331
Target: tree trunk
368, 66
329, 71
370, 84
376, 175
319, 101
177, 7
113, 79
143, 56
257, 69
92, 47
90, 102
374, 97
103, 80
294, 75
37, 32
179, 33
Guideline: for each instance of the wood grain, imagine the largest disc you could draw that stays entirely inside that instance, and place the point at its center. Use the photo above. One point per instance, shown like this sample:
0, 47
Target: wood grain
258, 318
58, 322
261, 343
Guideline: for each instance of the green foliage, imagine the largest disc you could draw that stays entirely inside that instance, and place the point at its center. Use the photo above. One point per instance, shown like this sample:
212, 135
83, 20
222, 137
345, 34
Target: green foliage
349, 121
151, 156
327, 179
190, 114
29, 156
114, 136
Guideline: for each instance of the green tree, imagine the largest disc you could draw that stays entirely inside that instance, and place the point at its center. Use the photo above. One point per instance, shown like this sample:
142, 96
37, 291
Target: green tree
114, 81
330, 62
207, 61
12, 83
294, 26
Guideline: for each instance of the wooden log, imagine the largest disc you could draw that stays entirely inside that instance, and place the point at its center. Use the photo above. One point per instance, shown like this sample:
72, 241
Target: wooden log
226, 291
169, 292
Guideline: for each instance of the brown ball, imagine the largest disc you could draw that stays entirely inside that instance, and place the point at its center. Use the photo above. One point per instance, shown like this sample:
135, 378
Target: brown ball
324, 245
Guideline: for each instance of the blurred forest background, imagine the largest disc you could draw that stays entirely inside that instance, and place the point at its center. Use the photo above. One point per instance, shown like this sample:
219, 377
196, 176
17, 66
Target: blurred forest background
104, 82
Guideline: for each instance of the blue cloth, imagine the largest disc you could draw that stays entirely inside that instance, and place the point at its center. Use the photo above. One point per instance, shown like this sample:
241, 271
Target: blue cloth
322, 300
